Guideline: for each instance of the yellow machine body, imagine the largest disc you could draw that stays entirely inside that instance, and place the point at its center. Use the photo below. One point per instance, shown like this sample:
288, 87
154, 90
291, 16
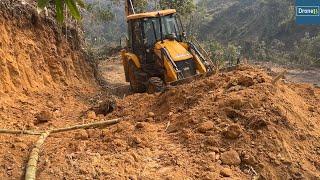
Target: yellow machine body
177, 50
157, 50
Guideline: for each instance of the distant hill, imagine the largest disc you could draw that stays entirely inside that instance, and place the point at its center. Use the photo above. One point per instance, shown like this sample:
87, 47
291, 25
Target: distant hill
265, 27
253, 21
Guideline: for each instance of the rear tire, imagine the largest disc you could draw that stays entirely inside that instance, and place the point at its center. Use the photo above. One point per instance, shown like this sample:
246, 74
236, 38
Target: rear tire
135, 85
155, 84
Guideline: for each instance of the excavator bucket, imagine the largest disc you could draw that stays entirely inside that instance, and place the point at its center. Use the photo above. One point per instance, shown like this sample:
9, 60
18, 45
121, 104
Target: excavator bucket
190, 79
201, 76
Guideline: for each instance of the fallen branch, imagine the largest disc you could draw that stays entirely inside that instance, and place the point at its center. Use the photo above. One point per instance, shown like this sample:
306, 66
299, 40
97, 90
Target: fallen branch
168, 124
277, 78
27, 132
87, 126
34, 157
83, 126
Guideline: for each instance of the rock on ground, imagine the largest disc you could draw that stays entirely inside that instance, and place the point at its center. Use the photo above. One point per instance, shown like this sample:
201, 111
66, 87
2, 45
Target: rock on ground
230, 157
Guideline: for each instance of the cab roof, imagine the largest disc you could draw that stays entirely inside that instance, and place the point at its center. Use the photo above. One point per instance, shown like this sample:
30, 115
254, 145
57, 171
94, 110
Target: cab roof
151, 14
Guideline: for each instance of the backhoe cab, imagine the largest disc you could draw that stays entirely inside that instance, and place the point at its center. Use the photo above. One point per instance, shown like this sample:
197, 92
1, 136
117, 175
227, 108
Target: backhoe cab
157, 52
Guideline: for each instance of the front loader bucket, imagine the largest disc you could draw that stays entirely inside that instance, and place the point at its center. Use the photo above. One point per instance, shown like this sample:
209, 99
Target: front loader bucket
200, 76
190, 79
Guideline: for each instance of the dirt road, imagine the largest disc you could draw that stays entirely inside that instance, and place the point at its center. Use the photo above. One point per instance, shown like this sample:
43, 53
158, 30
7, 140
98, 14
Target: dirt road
112, 71
309, 75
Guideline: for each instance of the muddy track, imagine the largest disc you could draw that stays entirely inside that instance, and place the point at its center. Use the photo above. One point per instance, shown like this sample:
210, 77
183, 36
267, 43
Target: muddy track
309, 75
112, 71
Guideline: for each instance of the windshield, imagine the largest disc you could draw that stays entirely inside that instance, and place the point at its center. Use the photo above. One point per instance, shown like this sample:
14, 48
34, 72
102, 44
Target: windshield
169, 28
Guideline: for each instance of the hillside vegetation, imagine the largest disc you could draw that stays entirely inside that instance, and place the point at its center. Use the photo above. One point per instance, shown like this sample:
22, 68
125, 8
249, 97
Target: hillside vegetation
266, 30
263, 30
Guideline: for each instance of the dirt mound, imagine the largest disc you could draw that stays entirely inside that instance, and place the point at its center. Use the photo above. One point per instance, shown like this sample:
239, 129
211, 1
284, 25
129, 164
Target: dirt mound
236, 120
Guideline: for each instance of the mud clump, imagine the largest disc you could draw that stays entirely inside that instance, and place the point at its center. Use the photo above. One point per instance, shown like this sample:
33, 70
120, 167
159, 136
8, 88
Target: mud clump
43, 117
226, 172
91, 115
230, 158
81, 135
233, 132
105, 107
151, 115
206, 126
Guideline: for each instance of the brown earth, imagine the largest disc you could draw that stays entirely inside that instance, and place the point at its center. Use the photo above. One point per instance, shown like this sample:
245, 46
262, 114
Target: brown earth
272, 128
36, 56
233, 125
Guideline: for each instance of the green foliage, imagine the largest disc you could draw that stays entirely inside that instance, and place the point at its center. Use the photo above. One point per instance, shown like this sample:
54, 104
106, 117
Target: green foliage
59, 4
217, 52
73, 9
81, 3
194, 21
307, 50
59, 10
221, 54
183, 7
101, 13
105, 14
42, 3
232, 53
103, 24
265, 29
140, 5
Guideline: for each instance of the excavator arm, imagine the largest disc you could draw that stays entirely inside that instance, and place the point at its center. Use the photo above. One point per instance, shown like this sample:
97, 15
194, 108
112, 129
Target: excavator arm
129, 7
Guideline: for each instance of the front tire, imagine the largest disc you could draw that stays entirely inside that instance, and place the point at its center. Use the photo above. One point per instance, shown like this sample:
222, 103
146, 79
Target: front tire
155, 84
135, 85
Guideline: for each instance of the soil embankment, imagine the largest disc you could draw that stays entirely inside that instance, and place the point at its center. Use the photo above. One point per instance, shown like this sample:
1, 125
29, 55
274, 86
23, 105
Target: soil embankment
44, 77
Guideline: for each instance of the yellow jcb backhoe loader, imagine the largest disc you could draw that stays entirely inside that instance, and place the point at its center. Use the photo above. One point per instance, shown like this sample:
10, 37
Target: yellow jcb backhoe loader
157, 52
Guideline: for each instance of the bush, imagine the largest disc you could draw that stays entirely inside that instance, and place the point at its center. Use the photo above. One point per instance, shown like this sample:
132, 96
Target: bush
222, 55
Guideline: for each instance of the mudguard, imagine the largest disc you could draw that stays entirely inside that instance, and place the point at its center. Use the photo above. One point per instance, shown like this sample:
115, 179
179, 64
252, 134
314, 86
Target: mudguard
126, 58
